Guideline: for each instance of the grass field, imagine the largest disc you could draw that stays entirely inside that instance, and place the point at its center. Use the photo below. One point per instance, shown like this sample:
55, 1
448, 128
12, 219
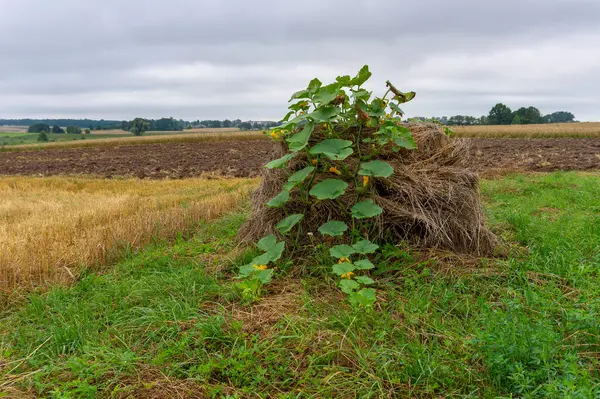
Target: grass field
583, 129
51, 227
17, 139
112, 140
166, 321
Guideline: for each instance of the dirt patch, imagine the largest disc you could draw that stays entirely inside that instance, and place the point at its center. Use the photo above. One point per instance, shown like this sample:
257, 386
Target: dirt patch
246, 158
543, 155
155, 161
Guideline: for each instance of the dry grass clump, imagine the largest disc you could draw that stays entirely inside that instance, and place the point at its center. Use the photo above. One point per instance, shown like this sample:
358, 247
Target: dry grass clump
548, 130
50, 227
431, 200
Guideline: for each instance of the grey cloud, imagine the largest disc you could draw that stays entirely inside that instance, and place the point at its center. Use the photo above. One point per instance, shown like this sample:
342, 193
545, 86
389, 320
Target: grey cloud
200, 59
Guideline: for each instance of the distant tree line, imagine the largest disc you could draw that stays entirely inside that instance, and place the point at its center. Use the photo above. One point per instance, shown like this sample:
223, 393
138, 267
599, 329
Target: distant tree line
501, 114
44, 128
237, 123
159, 125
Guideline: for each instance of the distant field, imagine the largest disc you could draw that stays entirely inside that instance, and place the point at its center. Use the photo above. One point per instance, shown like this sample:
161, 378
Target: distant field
583, 129
113, 140
152, 133
15, 139
51, 226
13, 129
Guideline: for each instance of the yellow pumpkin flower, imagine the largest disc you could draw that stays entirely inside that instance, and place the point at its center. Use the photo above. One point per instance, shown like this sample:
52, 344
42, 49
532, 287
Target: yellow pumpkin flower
347, 276
333, 169
342, 260
365, 181
314, 161
260, 267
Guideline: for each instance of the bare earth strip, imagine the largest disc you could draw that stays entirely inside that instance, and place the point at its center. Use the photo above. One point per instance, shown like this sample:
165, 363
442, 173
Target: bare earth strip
245, 158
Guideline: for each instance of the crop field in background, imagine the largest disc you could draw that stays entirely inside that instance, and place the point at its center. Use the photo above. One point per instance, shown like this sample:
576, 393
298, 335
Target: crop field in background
582, 129
52, 227
166, 321
206, 135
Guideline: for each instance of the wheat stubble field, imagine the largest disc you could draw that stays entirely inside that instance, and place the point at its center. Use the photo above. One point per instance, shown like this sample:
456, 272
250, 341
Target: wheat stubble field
52, 227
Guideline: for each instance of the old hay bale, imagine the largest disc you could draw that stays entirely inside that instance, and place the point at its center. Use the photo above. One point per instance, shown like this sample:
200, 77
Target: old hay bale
432, 199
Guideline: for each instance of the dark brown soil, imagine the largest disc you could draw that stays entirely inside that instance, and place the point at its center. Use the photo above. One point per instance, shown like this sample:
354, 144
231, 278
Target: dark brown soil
246, 158
155, 161
543, 155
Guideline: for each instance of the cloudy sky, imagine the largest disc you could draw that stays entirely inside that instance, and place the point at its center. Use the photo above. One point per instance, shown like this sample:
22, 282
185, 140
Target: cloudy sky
196, 59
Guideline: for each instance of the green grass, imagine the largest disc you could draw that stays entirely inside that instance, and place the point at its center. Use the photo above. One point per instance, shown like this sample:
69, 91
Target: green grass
10, 139
167, 320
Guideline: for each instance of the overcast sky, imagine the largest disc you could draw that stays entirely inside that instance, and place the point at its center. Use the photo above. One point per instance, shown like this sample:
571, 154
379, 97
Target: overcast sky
196, 59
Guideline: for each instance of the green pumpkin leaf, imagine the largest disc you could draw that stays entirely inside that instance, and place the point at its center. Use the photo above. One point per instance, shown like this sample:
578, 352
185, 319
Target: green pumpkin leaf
364, 264
329, 189
298, 177
300, 94
341, 251
289, 222
376, 169
365, 247
363, 75
246, 270
342, 268
362, 95
348, 286
276, 251
264, 275
334, 149
365, 280
279, 200
364, 298
267, 242
280, 163
366, 209
299, 140
324, 114
404, 97
314, 85
326, 94
343, 80
333, 228
407, 142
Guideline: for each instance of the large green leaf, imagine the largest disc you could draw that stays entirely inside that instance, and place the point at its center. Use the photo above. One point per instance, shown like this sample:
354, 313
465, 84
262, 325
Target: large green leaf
366, 209
264, 275
364, 264
276, 251
407, 142
376, 169
362, 94
341, 251
289, 222
344, 80
343, 268
364, 247
298, 177
363, 75
364, 298
326, 94
329, 189
267, 242
404, 97
335, 149
348, 286
324, 114
299, 140
247, 270
300, 94
365, 280
333, 228
280, 163
279, 200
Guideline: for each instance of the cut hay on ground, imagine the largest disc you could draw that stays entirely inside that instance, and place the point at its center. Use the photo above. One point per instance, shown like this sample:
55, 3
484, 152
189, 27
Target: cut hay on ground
432, 199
